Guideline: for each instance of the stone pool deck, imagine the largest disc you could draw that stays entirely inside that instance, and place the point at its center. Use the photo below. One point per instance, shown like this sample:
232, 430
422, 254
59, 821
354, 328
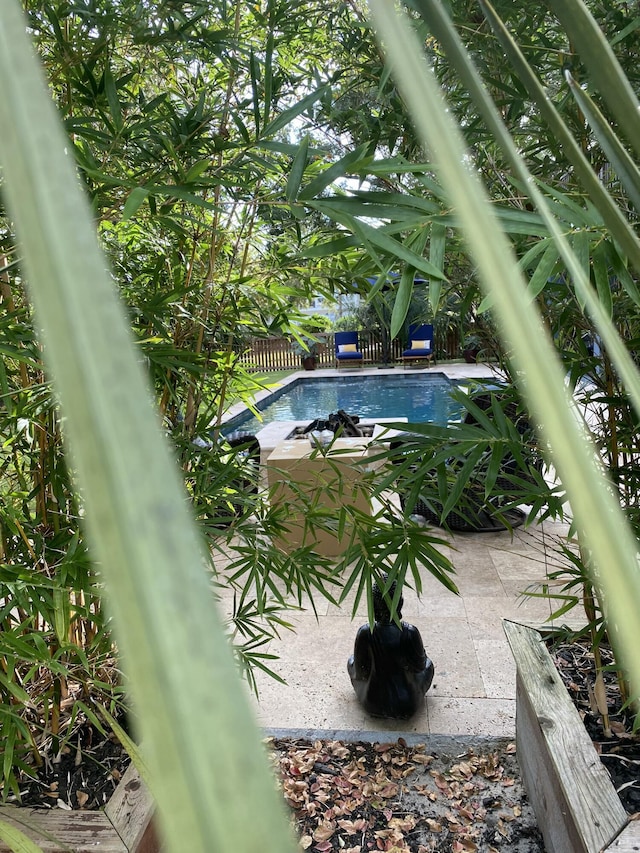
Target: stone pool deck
473, 692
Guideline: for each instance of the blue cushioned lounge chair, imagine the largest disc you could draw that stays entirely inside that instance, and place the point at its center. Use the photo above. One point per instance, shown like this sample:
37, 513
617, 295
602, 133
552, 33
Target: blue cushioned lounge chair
347, 351
420, 344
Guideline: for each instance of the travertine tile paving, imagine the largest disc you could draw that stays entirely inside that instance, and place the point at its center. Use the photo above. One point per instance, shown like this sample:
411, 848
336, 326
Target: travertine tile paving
473, 692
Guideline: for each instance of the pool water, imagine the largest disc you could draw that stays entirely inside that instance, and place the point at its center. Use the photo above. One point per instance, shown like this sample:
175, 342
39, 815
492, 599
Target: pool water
420, 399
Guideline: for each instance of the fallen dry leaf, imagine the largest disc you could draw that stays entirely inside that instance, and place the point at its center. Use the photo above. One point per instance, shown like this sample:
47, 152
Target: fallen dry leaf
352, 826
405, 824
393, 798
324, 830
440, 781
466, 845
422, 759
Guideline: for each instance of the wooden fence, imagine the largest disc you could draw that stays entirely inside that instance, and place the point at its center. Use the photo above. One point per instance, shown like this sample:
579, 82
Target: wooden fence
269, 354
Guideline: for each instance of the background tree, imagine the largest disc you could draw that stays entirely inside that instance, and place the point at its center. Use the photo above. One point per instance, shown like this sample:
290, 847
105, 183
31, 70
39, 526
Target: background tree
191, 128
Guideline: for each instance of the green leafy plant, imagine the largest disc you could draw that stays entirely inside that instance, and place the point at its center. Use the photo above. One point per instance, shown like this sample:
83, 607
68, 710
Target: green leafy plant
185, 174
307, 347
475, 473
533, 357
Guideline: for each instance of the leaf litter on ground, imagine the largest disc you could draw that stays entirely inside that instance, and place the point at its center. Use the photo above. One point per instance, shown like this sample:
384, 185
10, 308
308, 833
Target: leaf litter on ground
356, 797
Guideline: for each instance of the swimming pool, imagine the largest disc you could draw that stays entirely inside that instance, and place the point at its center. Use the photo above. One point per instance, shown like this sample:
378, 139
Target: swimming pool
420, 399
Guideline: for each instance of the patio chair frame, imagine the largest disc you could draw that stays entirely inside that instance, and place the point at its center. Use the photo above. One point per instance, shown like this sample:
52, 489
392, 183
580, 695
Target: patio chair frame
419, 332
347, 358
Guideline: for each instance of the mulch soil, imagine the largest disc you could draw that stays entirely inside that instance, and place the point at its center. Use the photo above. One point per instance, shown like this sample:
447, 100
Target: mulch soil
619, 750
83, 774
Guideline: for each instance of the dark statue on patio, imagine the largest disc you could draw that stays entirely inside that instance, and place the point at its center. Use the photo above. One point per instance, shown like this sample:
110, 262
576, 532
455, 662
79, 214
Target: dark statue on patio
389, 668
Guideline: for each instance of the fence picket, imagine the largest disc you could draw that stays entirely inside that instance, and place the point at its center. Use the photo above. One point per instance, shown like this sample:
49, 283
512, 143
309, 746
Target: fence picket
264, 355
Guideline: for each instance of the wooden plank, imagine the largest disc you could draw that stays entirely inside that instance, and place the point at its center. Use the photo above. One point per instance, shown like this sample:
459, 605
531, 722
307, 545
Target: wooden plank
58, 830
555, 819
628, 841
575, 803
130, 811
125, 826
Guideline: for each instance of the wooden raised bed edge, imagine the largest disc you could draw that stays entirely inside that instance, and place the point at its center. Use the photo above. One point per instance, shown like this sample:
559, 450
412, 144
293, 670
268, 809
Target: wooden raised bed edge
125, 825
575, 803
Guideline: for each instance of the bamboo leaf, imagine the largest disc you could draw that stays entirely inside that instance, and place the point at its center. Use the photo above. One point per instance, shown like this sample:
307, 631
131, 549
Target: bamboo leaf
580, 242
17, 841
171, 191
402, 301
597, 513
601, 277
198, 168
134, 200
493, 468
355, 205
255, 89
436, 257
14, 689
61, 614
416, 242
398, 200
287, 116
541, 275
297, 170
622, 273
544, 269
330, 248
604, 68
463, 476
625, 31
202, 744
268, 79
377, 237
112, 97
619, 158
333, 172
242, 128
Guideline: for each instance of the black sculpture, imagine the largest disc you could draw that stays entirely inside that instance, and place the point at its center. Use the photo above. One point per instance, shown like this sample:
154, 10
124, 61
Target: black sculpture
389, 668
339, 423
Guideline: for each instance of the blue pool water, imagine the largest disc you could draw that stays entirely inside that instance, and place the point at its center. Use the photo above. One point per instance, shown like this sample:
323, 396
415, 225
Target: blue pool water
420, 399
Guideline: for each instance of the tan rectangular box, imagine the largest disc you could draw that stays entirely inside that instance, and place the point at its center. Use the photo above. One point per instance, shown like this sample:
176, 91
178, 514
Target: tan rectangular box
331, 479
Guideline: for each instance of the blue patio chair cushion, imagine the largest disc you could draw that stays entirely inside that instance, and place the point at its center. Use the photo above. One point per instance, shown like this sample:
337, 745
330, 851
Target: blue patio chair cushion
420, 343
347, 346
349, 356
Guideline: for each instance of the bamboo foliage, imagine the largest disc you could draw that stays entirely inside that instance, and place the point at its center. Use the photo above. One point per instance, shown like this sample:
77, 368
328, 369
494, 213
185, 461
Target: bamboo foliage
209, 170
597, 307
599, 519
141, 531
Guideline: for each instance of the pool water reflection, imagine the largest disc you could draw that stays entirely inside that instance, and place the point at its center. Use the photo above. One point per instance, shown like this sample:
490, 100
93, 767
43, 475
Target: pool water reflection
420, 399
